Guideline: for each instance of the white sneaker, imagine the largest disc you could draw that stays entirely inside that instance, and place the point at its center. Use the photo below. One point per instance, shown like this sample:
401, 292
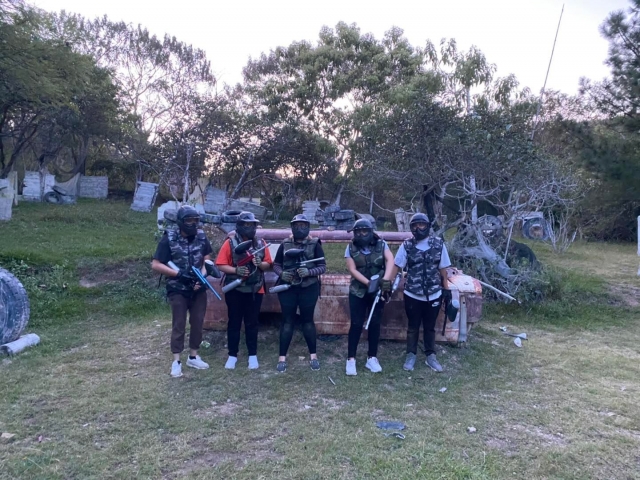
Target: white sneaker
176, 369
351, 367
253, 362
373, 365
231, 363
197, 363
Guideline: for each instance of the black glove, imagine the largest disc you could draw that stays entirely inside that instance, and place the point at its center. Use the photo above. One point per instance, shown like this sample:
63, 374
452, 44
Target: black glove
385, 286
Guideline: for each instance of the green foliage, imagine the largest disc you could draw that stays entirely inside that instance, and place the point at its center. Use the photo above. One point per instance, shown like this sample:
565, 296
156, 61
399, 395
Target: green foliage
97, 257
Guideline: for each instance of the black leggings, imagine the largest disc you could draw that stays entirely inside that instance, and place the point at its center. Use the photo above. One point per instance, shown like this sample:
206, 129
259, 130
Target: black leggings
359, 309
425, 313
305, 298
243, 306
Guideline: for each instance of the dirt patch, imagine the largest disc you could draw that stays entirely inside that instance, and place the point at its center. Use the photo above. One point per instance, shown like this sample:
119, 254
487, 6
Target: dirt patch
218, 409
547, 439
207, 460
91, 277
626, 294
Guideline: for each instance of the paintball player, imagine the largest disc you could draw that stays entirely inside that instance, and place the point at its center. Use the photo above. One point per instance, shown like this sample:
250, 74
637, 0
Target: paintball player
304, 287
244, 301
426, 259
186, 247
367, 255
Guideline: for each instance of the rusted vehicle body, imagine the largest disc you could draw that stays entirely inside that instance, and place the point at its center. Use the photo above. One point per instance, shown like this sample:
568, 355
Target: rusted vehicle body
332, 311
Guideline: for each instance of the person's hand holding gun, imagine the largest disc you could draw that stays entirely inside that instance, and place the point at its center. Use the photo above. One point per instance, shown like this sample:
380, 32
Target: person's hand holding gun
385, 289
287, 276
242, 271
186, 277
303, 272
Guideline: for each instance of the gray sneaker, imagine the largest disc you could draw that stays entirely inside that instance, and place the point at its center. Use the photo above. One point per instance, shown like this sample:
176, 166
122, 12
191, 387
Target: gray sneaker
433, 363
409, 362
314, 363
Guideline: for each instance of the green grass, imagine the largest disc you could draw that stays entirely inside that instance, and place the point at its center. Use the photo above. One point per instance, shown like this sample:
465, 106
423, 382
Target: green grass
95, 400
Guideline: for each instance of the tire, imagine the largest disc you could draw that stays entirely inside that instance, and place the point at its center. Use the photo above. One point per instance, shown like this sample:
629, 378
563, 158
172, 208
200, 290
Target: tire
14, 307
535, 229
53, 197
230, 216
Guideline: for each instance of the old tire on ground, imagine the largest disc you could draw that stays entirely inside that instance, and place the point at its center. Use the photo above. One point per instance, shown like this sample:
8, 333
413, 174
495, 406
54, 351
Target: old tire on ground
230, 216
14, 307
53, 197
535, 229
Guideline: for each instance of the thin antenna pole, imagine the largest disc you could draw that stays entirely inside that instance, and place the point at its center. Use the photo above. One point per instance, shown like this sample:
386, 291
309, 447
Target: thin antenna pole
536, 118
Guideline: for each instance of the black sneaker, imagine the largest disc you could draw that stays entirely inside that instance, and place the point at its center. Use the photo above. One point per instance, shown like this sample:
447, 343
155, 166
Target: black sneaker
281, 367
314, 363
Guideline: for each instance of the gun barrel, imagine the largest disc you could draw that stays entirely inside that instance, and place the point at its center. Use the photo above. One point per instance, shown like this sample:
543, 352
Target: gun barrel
205, 282
373, 309
304, 262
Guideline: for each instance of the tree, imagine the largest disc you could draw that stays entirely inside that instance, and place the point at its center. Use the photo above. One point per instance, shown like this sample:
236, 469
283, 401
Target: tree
330, 88
39, 78
158, 80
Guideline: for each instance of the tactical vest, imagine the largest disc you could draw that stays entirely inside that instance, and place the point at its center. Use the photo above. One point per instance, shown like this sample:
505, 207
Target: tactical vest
253, 283
368, 265
309, 245
185, 255
423, 274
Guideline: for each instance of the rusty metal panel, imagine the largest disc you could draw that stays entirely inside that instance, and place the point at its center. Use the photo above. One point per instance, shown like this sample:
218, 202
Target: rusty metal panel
327, 236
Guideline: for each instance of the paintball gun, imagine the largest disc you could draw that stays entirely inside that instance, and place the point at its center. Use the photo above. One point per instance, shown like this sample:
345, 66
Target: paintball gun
247, 261
374, 285
294, 253
211, 270
451, 300
204, 281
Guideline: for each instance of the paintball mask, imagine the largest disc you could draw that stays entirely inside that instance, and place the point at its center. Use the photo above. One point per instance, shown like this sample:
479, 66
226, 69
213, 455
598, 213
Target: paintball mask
188, 219
362, 233
246, 225
300, 227
420, 225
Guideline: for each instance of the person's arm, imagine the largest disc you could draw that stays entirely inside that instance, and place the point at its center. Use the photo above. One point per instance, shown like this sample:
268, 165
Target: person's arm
224, 261
266, 262
351, 266
445, 262
389, 266
161, 257
278, 263
159, 267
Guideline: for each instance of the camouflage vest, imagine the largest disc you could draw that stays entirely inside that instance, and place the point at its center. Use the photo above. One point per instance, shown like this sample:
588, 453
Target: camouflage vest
309, 245
368, 265
185, 254
255, 281
423, 274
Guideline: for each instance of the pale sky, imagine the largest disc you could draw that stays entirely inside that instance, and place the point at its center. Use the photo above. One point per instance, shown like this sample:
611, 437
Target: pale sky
516, 35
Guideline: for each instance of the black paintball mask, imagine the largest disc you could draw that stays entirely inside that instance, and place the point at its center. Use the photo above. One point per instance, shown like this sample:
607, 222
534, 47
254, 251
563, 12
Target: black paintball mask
246, 225
300, 227
188, 219
362, 233
420, 226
